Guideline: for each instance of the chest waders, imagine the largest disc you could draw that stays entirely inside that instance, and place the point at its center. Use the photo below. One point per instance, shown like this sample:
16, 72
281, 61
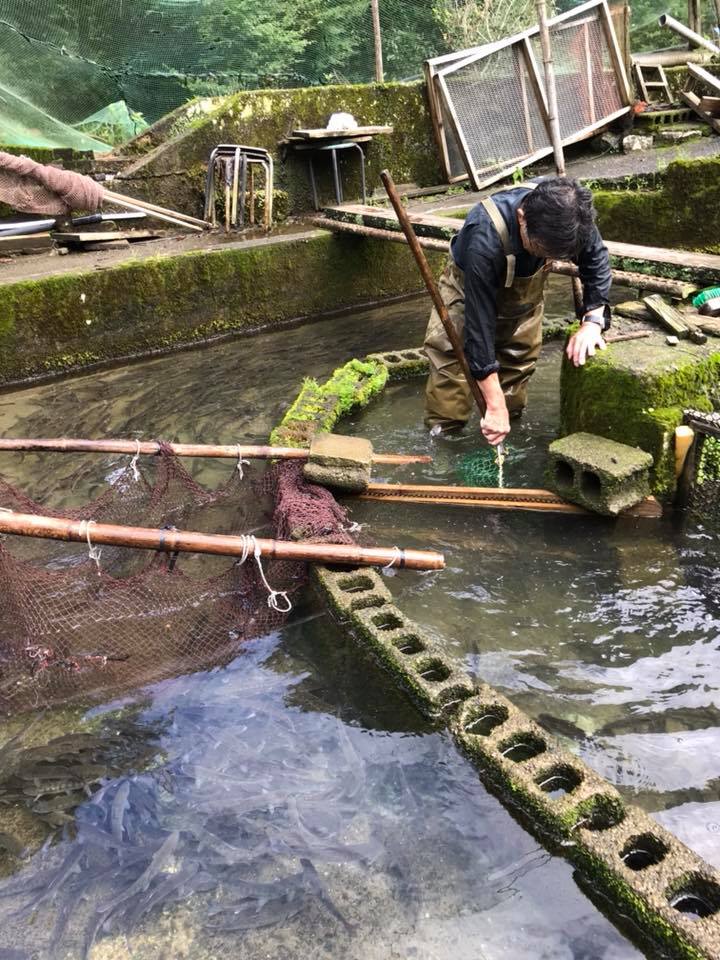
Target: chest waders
518, 338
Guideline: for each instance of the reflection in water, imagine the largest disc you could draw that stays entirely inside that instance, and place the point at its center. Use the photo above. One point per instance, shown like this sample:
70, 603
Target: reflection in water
606, 632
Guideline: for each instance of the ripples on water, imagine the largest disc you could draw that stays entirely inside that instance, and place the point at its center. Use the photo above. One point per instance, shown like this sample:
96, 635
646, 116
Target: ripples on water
296, 805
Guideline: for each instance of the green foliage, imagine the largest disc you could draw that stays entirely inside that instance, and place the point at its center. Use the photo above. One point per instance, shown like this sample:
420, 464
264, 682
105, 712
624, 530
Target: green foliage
470, 23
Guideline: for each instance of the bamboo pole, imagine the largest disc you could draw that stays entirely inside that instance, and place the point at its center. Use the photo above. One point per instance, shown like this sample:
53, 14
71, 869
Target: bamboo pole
550, 87
222, 545
437, 300
377, 38
153, 448
152, 209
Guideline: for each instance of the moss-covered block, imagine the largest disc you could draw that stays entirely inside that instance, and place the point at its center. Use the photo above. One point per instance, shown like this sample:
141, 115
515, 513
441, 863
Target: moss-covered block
635, 393
403, 364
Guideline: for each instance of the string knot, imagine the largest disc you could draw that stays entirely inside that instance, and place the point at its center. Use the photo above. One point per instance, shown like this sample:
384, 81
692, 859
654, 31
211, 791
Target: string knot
240, 462
94, 552
395, 559
277, 599
134, 463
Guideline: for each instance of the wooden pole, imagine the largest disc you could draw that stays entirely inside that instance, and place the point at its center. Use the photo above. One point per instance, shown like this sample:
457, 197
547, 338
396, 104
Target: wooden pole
183, 541
377, 37
153, 448
437, 300
550, 87
684, 437
152, 209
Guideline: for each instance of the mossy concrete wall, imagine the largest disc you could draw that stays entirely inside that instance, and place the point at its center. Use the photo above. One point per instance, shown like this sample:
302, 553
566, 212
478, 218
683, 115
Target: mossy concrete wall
172, 172
680, 212
636, 393
72, 320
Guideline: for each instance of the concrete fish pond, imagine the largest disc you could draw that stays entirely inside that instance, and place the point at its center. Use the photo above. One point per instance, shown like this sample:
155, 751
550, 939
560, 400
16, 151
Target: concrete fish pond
513, 757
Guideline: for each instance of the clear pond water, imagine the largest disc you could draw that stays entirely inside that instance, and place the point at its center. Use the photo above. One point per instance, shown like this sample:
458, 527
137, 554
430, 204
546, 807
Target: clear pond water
296, 804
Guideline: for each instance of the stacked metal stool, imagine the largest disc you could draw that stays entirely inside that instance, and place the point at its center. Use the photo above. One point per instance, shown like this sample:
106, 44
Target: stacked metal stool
232, 163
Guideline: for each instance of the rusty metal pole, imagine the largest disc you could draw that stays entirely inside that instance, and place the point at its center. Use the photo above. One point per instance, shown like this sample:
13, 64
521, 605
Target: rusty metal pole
377, 36
437, 300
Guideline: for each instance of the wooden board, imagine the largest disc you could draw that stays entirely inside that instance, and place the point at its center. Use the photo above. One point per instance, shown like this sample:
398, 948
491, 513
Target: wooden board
435, 226
710, 105
709, 79
321, 133
26, 243
693, 101
88, 236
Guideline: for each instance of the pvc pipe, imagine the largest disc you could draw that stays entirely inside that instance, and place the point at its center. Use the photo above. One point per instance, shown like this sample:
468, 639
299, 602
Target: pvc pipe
684, 437
667, 21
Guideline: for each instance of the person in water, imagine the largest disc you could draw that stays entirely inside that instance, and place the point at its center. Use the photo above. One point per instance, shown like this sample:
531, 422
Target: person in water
493, 289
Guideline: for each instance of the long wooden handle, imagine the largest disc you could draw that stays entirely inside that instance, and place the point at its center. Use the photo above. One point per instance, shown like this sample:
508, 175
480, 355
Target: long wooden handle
437, 300
153, 448
183, 541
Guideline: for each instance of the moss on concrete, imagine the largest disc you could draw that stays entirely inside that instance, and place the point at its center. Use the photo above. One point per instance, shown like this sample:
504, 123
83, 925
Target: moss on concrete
636, 395
318, 408
67, 321
172, 173
674, 215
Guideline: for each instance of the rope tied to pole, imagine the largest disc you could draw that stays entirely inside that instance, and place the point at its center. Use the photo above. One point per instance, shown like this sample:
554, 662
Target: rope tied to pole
394, 560
240, 461
94, 552
134, 463
251, 546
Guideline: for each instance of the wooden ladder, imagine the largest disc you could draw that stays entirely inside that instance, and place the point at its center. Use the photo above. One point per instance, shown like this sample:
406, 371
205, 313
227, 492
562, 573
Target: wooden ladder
646, 84
707, 107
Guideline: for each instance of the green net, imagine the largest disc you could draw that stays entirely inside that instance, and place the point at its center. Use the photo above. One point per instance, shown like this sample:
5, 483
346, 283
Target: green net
90, 74
481, 469
62, 63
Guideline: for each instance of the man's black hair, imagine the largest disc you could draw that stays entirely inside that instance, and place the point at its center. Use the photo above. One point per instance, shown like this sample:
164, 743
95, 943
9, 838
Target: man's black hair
559, 216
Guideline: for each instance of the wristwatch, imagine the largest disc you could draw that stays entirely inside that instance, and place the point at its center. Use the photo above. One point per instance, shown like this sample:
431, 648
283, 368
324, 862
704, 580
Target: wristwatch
600, 316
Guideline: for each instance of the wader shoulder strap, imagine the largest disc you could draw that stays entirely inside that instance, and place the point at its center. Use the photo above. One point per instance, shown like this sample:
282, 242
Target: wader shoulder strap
497, 220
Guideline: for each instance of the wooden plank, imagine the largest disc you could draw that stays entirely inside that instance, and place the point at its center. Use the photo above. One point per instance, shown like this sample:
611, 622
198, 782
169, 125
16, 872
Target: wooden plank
704, 76
668, 316
710, 105
88, 236
26, 243
626, 93
693, 101
321, 133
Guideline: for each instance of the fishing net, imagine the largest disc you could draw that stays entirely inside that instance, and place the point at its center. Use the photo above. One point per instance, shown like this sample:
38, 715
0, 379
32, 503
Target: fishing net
481, 468
77, 621
704, 486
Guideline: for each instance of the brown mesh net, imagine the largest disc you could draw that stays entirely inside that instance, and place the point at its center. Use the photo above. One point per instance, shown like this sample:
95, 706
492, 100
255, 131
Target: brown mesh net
80, 623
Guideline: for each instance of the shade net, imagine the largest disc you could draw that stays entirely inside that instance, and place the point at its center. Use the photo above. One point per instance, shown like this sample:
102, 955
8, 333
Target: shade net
704, 492
64, 61
78, 625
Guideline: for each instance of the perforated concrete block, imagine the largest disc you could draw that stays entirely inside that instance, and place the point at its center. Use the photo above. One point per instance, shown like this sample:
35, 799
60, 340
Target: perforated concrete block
599, 474
343, 463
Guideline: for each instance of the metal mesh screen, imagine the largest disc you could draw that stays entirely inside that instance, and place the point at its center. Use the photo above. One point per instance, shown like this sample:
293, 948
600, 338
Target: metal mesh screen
497, 108
704, 492
587, 87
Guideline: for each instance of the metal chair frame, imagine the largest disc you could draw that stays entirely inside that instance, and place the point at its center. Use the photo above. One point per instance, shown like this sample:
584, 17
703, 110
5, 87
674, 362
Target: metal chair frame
236, 162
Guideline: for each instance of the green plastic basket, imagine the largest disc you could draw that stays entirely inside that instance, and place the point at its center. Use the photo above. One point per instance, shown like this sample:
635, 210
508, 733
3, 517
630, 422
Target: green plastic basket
700, 298
480, 468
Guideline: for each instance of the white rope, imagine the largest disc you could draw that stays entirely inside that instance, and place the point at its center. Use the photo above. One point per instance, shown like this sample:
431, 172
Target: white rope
354, 527
240, 462
94, 553
134, 463
6, 510
396, 558
251, 546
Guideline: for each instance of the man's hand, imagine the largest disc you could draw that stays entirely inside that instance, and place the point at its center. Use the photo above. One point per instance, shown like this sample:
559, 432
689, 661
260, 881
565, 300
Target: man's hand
585, 342
495, 425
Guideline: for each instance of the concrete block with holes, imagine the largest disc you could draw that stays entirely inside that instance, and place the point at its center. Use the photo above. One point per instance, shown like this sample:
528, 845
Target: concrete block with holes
599, 474
343, 463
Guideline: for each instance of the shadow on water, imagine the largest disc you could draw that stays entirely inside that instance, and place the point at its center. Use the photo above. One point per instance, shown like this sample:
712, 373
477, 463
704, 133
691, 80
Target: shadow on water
291, 803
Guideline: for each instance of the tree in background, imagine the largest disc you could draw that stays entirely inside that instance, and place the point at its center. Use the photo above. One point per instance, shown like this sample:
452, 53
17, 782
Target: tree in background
471, 23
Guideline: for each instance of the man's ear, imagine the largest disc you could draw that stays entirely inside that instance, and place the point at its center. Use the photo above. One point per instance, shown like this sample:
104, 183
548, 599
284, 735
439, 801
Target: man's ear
521, 216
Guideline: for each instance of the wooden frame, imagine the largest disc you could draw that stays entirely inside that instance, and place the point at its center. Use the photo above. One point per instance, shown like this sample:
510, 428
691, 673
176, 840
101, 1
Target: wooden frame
442, 105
